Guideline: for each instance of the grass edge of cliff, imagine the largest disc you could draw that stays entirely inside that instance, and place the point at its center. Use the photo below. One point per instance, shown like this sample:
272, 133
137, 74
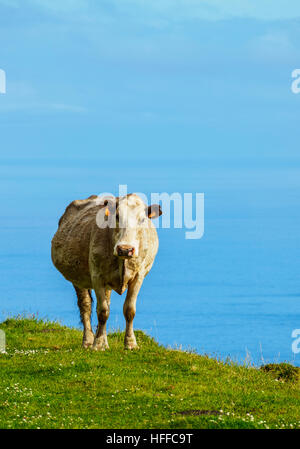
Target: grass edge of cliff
48, 381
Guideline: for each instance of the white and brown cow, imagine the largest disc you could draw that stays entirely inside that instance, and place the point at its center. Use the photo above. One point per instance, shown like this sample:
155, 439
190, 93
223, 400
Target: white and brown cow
106, 245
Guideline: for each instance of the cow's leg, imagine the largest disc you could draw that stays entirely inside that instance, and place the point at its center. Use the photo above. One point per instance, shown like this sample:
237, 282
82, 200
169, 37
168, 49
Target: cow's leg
85, 306
129, 310
103, 303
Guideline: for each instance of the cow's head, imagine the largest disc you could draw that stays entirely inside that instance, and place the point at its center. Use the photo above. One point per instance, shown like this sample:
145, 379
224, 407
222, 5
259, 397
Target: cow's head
129, 216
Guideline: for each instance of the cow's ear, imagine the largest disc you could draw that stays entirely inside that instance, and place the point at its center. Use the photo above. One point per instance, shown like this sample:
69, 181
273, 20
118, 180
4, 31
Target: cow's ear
153, 211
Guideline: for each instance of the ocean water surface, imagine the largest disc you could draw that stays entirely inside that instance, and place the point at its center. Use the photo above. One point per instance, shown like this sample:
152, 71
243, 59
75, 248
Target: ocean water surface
233, 293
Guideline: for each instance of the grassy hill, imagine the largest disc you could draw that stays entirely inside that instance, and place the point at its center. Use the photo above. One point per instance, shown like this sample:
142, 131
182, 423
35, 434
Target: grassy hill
48, 381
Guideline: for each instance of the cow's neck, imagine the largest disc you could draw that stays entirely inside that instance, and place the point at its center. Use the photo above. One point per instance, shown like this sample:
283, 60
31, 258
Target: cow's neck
127, 272
122, 271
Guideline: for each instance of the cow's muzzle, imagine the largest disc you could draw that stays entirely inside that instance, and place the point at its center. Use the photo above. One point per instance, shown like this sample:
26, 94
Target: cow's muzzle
126, 251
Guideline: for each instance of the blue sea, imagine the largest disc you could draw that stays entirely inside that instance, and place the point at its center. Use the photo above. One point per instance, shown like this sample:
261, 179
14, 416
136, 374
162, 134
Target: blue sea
233, 293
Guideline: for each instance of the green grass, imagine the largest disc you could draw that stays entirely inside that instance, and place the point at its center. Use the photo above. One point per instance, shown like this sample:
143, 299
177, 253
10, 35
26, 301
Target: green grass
48, 381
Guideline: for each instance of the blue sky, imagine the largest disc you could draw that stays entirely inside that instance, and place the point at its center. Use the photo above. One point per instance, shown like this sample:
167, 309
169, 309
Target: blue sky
154, 79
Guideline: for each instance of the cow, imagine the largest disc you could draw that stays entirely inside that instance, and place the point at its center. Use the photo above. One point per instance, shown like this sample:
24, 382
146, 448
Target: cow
106, 244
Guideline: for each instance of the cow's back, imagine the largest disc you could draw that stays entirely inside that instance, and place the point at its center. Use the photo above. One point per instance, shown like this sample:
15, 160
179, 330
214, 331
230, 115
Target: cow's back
71, 243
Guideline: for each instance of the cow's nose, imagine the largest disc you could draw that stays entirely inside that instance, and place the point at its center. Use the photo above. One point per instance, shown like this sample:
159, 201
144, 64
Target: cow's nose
125, 251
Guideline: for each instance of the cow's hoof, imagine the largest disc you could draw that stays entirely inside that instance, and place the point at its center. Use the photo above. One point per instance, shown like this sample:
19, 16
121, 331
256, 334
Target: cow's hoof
130, 343
88, 340
100, 348
100, 344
